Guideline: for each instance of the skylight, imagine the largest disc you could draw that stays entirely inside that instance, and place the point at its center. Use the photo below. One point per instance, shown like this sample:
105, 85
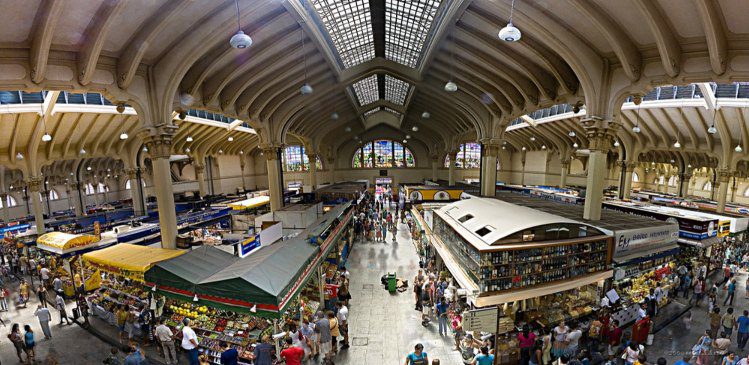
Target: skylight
350, 28
407, 25
395, 90
393, 111
372, 111
366, 90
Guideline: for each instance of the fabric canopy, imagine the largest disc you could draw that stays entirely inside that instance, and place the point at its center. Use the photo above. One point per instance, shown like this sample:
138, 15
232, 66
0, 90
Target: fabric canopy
64, 243
129, 260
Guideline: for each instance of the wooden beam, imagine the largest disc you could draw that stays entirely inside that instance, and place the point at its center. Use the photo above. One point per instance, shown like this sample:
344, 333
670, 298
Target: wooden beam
715, 36
668, 45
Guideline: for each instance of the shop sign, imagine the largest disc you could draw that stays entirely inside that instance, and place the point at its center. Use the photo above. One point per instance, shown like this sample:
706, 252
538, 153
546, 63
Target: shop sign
724, 228
249, 245
698, 229
628, 240
14, 228
483, 320
93, 282
331, 290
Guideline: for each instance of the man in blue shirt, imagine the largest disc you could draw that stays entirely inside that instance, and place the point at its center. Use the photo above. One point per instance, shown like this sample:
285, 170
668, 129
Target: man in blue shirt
442, 315
743, 332
230, 356
684, 361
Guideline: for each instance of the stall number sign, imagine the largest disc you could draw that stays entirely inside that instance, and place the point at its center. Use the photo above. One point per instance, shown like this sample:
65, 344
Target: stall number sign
483, 320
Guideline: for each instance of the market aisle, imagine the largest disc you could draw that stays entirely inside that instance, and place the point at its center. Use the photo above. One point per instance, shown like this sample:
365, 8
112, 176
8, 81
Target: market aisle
384, 327
673, 341
69, 344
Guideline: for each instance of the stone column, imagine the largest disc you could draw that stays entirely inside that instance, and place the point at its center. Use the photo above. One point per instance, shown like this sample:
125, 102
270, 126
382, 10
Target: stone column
312, 170
453, 158
489, 153
563, 174
200, 177
684, 179
435, 162
241, 169
159, 143
78, 199
600, 134
6, 209
724, 177
331, 169
136, 192
629, 168
274, 176
34, 187
522, 168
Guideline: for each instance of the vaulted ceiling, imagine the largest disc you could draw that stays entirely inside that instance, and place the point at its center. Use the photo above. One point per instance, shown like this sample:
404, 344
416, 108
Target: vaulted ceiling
373, 62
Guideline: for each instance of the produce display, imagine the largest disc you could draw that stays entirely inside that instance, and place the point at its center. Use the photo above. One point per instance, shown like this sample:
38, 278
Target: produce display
112, 294
572, 304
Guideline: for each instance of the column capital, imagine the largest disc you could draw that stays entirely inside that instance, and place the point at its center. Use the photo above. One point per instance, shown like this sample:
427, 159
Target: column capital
630, 166
724, 175
453, 155
199, 168
34, 184
270, 151
490, 147
565, 161
600, 133
131, 173
158, 139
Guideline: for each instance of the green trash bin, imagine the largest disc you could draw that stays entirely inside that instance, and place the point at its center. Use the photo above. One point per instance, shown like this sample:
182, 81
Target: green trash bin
392, 282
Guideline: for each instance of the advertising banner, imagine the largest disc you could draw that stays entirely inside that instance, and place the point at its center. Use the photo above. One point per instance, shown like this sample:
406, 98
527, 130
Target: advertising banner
689, 227
629, 241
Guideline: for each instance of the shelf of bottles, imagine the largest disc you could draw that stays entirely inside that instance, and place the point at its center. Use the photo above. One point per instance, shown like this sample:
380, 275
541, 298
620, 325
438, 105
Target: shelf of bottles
519, 269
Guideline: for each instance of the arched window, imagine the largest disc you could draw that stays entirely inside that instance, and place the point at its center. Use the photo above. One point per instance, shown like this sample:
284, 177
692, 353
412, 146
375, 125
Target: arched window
53, 194
101, 188
662, 180
708, 186
382, 153
672, 180
89, 189
635, 177
128, 186
9, 202
469, 156
295, 159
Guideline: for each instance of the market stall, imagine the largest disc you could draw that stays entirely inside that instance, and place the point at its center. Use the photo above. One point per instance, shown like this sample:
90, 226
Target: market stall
122, 283
64, 250
238, 300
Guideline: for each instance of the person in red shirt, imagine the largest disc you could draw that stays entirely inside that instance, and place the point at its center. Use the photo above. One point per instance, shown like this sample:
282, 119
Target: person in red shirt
526, 340
292, 354
615, 338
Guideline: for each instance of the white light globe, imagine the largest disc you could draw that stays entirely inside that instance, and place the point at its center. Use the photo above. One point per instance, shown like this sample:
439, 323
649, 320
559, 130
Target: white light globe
616, 143
451, 87
425, 115
712, 130
240, 40
636, 129
124, 136
415, 128
509, 33
738, 148
189, 139
46, 137
306, 89
334, 116
19, 156
347, 129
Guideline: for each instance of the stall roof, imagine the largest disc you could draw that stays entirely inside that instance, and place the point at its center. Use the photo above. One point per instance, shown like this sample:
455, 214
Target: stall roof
250, 203
65, 243
610, 219
184, 271
499, 217
129, 258
660, 209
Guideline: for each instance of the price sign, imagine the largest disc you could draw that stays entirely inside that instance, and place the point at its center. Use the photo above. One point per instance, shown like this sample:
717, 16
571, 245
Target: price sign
482, 320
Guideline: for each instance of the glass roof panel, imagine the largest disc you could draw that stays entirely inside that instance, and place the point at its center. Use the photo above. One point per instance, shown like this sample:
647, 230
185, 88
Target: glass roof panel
407, 25
372, 111
393, 111
396, 90
350, 28
366, 90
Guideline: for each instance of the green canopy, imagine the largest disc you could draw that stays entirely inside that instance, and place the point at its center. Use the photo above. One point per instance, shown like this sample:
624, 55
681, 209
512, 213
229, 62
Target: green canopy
182, 274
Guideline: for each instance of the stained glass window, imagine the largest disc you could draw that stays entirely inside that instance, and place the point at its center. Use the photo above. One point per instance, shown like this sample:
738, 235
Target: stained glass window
469, 156
382, 154
295, 159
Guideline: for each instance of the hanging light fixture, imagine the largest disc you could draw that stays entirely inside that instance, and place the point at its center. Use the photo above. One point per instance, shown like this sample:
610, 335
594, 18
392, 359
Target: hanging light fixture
46, 137
195, 298
220, 152
738, 148
306, 89
334, 116
572, 134
543, 147
689, 166
408, 136
616, 144
415, 128
405, 141
523, 148
230, 139
451, 86
187, 150
677, 144
636, 128
712, 129
533, 139
241, 152
575, 145
240, 40
145, 149
88, 168
124, 136
347, 129
19, 157
509, 33
189, 139
425, 115
82, 151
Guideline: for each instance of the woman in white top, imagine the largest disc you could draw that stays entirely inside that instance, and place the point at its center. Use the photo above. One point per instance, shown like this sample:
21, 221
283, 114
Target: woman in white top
560, 339
632, 353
